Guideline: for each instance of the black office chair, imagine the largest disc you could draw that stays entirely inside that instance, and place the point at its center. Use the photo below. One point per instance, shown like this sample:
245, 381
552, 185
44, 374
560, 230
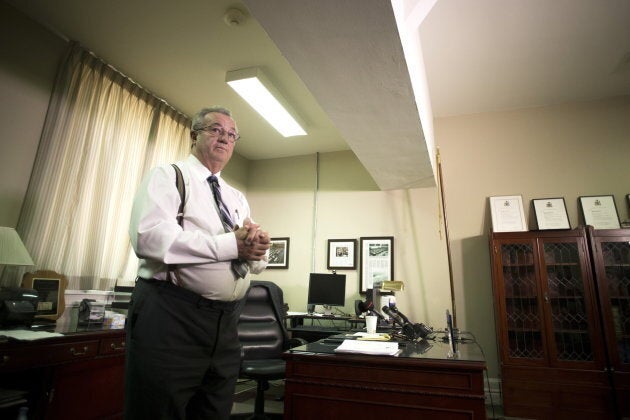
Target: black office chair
263, 338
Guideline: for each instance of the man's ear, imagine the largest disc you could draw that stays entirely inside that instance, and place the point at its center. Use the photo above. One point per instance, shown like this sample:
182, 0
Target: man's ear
193, 135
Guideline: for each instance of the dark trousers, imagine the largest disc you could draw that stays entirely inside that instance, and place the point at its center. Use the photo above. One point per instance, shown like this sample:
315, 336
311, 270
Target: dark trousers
183, 354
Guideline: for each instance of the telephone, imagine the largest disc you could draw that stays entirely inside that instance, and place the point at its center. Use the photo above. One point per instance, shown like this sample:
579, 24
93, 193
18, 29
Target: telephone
91, 312
18, 306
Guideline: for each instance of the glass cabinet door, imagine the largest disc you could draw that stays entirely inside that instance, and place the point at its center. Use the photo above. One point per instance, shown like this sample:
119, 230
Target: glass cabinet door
522, 302
614, 278
567, 302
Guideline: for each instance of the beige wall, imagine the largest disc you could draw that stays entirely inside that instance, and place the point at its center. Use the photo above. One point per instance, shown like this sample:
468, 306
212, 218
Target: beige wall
561, 151
27, 73
285, 199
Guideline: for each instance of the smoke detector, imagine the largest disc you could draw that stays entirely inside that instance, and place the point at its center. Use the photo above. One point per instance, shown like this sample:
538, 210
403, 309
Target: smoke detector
234, 17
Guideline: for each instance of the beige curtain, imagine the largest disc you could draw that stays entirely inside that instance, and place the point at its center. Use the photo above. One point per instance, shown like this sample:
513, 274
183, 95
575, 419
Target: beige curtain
101, 134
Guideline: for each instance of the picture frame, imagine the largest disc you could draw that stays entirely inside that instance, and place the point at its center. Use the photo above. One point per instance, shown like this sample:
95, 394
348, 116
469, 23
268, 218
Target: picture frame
279, 253
51, 288
551, 213
342, 254
507, 213
377, 261
599, 211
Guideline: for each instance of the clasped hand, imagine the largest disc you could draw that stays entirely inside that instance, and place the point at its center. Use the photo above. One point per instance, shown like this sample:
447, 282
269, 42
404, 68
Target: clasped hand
252, 242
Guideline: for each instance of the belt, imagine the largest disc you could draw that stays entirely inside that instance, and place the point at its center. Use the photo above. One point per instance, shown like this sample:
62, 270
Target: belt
188, 296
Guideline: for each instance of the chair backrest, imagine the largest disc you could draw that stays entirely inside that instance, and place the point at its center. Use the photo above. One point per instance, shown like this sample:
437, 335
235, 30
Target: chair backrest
261, 328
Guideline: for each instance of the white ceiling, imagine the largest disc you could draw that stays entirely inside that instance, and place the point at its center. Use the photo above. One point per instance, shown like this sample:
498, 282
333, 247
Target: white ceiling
489, 55
341, 66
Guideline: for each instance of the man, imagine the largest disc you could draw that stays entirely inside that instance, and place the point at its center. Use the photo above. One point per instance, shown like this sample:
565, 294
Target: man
183, 353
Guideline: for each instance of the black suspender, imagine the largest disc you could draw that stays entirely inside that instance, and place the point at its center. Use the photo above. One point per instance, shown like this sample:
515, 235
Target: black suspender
179, 182
181, 188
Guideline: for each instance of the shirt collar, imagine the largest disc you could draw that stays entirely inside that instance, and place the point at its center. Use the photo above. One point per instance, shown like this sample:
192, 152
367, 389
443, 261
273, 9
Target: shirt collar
198, 170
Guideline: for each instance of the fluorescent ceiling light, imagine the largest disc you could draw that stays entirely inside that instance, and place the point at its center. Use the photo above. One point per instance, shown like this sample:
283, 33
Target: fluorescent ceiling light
256, 89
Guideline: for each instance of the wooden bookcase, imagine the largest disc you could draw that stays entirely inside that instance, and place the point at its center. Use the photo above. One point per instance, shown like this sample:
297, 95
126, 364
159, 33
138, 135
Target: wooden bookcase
610, 253
554, 362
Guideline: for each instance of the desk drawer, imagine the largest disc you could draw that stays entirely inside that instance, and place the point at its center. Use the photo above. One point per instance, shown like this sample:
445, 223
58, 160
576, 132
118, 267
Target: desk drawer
389, 373
34, 356
114, 345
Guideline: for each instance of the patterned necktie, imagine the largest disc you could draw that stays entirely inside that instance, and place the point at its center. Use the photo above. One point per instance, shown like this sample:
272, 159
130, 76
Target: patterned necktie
240, 268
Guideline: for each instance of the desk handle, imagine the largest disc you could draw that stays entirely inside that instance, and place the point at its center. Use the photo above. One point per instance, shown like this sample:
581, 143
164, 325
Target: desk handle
115, 347
78, 353
5, 359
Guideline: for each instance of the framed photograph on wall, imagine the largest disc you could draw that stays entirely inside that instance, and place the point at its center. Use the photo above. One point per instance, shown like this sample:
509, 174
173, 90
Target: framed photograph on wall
51, 289
507, 213
342, 254
551, 213
600, 211
279, 253
377, 261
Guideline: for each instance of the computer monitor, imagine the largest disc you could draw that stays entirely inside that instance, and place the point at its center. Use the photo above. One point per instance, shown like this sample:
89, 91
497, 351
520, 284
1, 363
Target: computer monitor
328, 290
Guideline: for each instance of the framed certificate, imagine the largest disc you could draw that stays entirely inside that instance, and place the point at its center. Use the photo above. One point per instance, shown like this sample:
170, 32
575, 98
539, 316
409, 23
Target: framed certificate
600, 211
342, 254
377, 261
551, 213
507, 213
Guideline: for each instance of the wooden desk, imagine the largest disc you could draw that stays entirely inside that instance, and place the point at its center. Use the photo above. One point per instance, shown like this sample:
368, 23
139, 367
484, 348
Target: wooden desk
77, 375
419, 383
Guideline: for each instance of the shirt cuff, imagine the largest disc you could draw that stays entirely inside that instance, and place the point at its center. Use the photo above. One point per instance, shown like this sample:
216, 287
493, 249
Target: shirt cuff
226, 247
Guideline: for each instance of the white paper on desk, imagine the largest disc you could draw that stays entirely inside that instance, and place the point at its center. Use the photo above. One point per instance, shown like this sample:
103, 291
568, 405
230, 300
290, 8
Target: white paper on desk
28, 335
368, 347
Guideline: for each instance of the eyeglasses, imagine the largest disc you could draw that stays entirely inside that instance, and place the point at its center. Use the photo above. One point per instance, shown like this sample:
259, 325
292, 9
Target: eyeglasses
216, 131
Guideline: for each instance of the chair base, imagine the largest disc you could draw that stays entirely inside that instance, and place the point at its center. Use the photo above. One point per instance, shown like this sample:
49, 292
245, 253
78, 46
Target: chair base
259, 413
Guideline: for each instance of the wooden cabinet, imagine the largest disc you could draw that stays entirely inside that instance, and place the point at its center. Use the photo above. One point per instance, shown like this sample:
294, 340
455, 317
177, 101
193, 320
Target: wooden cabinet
77, 375
610, 251
553, 358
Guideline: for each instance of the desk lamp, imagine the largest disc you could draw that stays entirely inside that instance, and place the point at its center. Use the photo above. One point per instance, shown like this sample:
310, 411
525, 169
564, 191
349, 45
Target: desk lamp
12, 249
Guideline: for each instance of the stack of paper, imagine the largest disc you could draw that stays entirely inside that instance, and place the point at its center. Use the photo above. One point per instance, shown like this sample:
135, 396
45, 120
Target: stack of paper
368, 347
372, 337
28, 335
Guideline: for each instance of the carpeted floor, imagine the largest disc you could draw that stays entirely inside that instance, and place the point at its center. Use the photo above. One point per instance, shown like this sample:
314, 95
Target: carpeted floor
245, 395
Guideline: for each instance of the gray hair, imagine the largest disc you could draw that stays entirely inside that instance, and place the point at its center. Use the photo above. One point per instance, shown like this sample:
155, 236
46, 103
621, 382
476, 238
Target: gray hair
197, 121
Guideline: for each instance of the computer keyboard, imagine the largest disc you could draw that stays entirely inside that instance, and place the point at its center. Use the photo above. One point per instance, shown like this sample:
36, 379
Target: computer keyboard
317, 328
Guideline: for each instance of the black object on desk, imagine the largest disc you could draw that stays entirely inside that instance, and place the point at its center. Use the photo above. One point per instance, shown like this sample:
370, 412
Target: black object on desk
18, 306
320, 326
91, 312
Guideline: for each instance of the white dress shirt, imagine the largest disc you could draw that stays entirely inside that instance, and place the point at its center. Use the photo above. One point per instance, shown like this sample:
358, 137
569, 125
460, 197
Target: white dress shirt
202, 250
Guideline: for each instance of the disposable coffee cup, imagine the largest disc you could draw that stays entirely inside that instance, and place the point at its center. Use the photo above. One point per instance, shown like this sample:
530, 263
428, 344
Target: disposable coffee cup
370, 324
